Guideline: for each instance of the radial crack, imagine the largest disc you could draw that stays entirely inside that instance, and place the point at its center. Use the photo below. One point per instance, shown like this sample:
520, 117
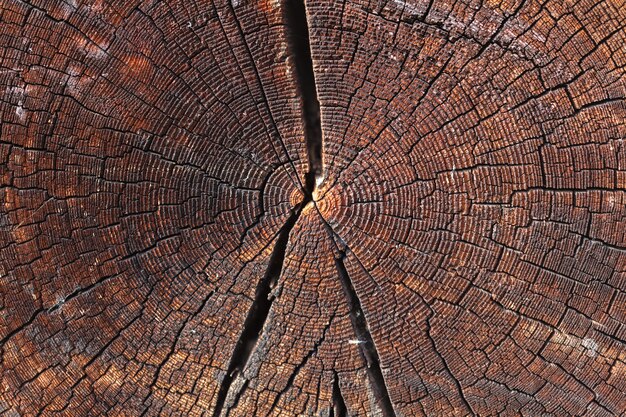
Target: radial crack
297, 30
298, 38
365, 341
258, 313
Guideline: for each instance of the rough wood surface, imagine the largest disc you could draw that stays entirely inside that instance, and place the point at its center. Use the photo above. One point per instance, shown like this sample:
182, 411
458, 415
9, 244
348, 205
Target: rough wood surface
320, 208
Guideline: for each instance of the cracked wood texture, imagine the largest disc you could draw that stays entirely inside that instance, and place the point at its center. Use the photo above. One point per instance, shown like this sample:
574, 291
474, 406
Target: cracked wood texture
312, 208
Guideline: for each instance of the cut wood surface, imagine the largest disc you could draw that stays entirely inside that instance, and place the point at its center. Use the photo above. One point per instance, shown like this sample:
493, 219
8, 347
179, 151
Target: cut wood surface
312, 208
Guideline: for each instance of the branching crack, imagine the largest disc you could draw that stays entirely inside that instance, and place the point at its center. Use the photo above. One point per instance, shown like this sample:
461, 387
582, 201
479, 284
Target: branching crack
302, 364
365, 341
296, 27
455, 381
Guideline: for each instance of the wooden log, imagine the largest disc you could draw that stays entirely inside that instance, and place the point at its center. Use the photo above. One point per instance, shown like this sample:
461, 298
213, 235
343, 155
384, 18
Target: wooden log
312, 208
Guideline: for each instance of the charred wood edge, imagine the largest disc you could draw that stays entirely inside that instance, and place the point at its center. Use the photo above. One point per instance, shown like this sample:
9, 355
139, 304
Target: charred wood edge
365, 340
297, 31
99, 354
338, 408
52, 309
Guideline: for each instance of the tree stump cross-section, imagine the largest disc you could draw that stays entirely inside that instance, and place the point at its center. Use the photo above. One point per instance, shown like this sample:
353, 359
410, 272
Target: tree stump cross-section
312, 208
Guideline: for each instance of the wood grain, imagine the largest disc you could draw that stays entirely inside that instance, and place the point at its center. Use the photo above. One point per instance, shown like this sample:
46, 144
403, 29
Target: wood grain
312, 208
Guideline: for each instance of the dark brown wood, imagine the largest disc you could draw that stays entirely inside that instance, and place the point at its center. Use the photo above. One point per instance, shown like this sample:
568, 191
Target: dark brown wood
312, 208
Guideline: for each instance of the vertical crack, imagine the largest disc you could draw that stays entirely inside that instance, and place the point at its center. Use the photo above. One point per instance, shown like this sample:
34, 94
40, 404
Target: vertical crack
365, 341
297, 30
339, 408
455, 381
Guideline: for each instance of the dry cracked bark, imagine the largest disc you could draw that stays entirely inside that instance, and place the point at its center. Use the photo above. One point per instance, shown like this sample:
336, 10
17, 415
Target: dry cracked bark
279, 207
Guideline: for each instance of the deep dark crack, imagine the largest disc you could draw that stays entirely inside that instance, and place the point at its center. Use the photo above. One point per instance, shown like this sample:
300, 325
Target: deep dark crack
297, 30
299, 46
338, 408
365, 341
258, 313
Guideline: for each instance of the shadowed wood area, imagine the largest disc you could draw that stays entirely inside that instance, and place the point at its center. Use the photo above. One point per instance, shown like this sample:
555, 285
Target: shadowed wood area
312, 208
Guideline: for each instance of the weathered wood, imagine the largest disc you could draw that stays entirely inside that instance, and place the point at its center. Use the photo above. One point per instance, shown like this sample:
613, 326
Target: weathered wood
287, 207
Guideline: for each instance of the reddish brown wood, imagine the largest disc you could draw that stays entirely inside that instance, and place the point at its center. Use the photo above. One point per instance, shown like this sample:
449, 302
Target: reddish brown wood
318, 208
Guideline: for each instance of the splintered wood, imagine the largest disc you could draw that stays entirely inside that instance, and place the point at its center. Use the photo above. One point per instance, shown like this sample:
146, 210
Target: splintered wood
312, 208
